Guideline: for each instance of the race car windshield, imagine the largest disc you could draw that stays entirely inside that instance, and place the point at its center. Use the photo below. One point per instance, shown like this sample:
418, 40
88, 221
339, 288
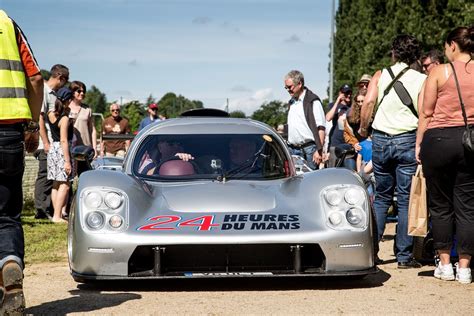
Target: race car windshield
210, 156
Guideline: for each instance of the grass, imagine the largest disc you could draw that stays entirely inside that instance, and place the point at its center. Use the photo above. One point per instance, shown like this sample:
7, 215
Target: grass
44, 241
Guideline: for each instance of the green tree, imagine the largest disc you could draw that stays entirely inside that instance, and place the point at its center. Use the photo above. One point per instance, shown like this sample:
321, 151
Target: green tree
45, 74
365, 29
134, 112
172, 106
96, 100
273, 113
237, 114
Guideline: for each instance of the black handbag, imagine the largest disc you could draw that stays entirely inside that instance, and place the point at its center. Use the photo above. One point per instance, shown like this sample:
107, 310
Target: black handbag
467, 136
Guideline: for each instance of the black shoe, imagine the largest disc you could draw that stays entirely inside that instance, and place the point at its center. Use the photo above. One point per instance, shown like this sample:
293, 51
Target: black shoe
409, 264
39, 214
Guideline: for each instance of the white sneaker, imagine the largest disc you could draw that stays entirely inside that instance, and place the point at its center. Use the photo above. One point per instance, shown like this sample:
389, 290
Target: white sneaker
444, 272
463, 275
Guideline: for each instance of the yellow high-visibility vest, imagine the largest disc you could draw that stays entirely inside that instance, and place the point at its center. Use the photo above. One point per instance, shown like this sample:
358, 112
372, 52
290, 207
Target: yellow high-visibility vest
13, 94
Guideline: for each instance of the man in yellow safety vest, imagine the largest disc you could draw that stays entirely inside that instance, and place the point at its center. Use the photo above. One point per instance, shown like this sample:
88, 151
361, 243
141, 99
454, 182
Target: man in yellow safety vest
21, 94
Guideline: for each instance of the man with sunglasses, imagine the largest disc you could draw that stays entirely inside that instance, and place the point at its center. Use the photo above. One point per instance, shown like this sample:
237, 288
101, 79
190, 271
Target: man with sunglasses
306, 124
114, 124
152, 116
430, 60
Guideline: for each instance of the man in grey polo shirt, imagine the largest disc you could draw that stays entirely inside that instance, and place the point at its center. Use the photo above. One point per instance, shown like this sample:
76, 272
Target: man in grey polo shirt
306, 121
59, 77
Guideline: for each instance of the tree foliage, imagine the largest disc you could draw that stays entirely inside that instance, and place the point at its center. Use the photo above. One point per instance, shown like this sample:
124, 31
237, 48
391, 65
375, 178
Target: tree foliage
96, 100
365, 29
237, 114
134, 112
45, 74
273, 113
172, 106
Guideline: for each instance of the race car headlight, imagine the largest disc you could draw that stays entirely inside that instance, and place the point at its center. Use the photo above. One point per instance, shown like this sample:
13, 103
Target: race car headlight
333, 197
355, 216
113, 200
103, 210
95, 220
116, 221
353, 196
346, 207
335, 218
93, 199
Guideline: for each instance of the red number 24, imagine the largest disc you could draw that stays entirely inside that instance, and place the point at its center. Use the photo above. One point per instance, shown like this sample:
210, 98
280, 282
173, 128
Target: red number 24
202, 222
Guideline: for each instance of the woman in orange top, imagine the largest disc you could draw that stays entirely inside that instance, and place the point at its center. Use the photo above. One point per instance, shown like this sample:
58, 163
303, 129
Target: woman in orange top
448, 169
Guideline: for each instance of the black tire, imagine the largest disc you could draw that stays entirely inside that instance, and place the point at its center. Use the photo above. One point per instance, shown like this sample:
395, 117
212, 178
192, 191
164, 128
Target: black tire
375, 235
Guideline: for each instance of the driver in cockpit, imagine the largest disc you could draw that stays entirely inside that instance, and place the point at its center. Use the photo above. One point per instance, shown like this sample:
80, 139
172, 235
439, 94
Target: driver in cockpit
240, 151
165, 150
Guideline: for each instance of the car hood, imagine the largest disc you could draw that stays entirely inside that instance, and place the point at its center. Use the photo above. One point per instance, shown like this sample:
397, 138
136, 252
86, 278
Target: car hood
216, 196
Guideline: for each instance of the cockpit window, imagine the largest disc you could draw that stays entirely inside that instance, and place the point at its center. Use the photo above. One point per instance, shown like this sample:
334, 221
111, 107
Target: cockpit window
209, 156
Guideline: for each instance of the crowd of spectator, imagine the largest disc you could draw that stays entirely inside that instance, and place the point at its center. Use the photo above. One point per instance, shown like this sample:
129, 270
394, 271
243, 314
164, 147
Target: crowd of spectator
398, 118
415, 111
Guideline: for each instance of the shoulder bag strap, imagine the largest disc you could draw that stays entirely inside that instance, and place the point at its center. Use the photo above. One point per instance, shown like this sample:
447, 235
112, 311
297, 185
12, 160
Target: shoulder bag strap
460, 97
390, 85
401, 90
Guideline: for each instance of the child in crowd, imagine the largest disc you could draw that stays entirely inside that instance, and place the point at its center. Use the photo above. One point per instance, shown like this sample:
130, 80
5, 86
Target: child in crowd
60, 168
364, 157
364, 166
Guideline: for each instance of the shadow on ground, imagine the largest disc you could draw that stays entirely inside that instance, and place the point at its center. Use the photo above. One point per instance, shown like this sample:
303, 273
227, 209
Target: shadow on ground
82, 301
240, 284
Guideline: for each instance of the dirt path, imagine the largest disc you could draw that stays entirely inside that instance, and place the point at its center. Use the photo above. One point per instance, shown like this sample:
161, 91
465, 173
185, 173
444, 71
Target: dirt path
49, 289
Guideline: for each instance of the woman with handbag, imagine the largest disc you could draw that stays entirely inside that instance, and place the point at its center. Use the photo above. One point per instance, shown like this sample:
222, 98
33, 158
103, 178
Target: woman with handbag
448, 164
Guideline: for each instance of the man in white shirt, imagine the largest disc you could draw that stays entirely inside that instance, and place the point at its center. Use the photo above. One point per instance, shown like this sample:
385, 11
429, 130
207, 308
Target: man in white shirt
306, 120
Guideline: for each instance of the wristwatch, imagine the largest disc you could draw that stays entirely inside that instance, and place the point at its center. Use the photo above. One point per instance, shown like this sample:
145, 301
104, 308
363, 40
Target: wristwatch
32, 127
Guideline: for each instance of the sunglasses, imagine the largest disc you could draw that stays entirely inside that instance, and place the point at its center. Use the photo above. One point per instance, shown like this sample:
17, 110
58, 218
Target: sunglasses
291, 88
360, 101
80, 91
115, 110
425, 66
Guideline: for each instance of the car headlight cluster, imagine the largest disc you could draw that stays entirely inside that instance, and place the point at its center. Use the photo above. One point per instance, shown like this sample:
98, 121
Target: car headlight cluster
346, 207
104, 209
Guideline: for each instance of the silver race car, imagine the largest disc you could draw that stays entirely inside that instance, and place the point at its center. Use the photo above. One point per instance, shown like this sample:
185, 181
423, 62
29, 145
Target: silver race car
217, 197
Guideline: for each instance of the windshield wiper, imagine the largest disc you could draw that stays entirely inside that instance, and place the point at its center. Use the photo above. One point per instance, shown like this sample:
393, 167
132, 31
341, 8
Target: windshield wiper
248, 164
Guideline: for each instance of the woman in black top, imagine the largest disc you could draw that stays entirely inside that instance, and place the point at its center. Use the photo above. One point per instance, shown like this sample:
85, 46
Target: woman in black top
60, 168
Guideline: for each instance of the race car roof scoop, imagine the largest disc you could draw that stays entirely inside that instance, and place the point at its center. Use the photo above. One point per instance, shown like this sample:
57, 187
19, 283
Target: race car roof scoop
205, 112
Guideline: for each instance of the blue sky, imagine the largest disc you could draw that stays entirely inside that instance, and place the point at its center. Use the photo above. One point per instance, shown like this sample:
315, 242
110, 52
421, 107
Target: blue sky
207, 50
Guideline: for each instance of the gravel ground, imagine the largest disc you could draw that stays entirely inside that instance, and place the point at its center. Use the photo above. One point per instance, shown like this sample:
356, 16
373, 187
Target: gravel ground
49, 289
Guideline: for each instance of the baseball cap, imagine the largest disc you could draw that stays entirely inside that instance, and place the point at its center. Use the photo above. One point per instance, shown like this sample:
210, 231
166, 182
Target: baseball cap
64, 94
345, 88
365, 78
153, 106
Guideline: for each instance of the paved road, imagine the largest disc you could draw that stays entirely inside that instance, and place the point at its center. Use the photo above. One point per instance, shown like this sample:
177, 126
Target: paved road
49, 289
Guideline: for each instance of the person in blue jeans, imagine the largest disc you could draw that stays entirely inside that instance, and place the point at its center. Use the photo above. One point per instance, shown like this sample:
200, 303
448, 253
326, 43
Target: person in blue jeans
21, 90
394, 137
